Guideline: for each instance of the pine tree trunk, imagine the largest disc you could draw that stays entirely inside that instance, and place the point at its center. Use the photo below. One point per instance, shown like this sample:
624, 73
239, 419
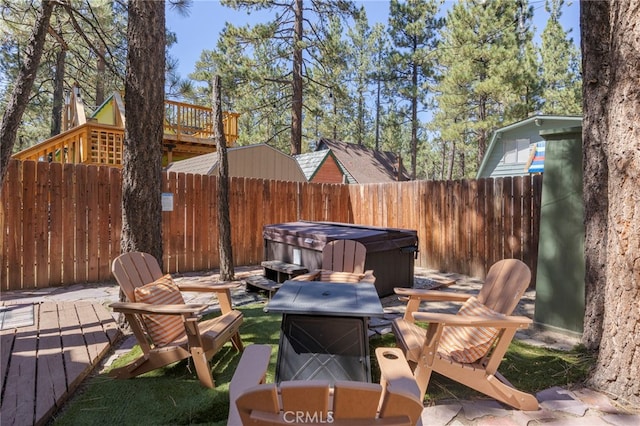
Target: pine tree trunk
414, 121
101, 71
378, 108
452, 160
224, 222
482, 137
361, 122
144, 106
296, 101
595, 66
58, 93
19, 98
618, 363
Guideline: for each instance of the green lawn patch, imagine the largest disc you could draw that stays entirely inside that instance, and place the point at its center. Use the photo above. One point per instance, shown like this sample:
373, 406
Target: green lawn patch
173, 395
529, 368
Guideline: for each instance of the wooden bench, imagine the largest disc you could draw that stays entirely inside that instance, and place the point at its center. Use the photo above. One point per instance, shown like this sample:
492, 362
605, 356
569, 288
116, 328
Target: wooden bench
258, 282
279, 271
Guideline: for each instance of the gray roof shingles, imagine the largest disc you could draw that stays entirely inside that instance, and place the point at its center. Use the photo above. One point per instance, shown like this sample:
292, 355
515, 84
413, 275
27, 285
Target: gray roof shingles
363, 164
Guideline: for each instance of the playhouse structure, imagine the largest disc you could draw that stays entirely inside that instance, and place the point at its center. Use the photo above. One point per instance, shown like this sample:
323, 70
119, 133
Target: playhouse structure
97, 139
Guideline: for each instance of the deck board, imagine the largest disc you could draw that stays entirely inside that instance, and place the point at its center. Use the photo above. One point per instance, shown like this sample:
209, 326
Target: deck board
95, 338
19, 393
43, 364
109, 326
6, 343
75, 354
51, 381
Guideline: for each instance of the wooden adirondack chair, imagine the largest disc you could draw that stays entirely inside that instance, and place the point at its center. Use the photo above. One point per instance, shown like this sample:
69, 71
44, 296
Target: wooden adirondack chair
394, 401
342, 261
469, 346
166, 328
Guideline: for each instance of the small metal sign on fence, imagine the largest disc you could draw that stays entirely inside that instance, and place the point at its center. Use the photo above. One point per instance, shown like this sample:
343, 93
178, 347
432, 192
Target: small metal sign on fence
167, 202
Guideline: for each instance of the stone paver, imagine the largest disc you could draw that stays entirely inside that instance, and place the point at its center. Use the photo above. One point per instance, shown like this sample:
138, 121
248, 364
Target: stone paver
440, 414
558, 406
622, 419
558, 399
481, 408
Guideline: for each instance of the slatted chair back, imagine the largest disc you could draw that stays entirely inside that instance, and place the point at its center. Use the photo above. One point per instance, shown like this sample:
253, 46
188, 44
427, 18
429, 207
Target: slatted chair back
504, 285
348, 403
133, 270
395, 401
344, 256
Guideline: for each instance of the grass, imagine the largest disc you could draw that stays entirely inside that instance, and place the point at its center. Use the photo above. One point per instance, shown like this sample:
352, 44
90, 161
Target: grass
173, 395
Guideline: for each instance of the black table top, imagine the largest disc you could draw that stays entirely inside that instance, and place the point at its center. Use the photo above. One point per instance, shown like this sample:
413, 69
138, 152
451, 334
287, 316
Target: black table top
331, 299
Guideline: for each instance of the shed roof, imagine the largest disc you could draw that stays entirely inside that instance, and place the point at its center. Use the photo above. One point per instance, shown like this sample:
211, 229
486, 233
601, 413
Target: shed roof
257, 160
201, 165
364, 165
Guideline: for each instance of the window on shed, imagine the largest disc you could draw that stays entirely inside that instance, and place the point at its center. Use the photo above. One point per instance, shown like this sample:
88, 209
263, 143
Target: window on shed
516, 151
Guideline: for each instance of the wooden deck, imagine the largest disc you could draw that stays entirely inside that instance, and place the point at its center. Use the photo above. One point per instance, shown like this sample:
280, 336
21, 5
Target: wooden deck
46, 350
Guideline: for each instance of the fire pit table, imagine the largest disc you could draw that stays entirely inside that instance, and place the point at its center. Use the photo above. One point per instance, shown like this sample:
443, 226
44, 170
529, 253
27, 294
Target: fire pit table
324, 331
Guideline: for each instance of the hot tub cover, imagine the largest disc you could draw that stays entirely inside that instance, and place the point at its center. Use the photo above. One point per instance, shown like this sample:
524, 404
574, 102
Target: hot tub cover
315, 235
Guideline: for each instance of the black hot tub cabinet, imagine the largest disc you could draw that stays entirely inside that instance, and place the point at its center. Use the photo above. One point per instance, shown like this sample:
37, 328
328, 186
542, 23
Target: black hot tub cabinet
390, 252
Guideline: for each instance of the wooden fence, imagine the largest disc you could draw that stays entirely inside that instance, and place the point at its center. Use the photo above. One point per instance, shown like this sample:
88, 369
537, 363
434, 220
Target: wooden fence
463, 226
61, 223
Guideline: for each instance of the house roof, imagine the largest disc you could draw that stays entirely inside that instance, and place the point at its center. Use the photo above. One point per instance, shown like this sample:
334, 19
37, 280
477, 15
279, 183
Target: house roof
311, 162
562, 120
362, 164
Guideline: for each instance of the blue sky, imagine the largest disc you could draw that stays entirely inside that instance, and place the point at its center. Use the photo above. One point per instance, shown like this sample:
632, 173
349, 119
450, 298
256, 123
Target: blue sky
206, 19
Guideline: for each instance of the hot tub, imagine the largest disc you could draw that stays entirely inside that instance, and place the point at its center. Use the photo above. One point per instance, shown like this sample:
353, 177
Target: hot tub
390, 252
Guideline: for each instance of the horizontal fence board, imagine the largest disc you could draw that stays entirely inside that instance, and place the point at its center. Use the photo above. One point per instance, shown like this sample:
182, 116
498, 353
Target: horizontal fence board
62, 223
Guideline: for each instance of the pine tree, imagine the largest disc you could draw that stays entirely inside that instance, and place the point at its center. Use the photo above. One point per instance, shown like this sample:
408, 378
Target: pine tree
292, 35
611, 50
379, 75
84, 47
17, 100
144, 106
361, 56
560, 66
329, 81
485, 68
413, 27
253, 84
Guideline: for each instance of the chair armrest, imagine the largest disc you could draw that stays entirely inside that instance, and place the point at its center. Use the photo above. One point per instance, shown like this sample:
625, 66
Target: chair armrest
217, 288
251, 371
311, 276
432, 295
368, 277
222, 290
498, 321
395, 372
188, 310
